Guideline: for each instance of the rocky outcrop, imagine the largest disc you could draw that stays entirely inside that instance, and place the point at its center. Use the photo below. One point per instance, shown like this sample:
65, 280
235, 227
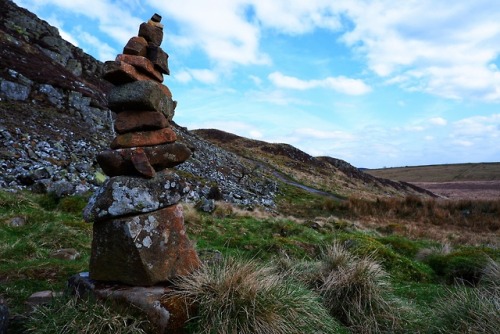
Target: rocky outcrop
53, 114
54, 119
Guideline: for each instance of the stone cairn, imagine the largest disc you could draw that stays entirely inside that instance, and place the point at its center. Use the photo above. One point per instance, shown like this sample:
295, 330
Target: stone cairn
139, 237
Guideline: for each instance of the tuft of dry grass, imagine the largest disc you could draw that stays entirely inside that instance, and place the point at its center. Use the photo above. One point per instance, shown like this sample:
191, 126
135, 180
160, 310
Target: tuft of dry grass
356, 290
472, 309
245, 297
67, 315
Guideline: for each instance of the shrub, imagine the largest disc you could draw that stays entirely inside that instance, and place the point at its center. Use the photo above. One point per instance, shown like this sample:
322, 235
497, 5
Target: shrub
244, 297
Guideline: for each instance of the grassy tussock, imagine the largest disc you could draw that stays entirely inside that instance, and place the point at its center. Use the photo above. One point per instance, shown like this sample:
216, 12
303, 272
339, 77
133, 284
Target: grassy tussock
246, 297
67, 315
472, 310
355, 290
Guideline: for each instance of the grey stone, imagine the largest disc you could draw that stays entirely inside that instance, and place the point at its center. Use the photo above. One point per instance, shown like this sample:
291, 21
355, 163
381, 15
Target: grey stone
17, 221
61, 188
41, 297
4, 317
74, 66
69, 254
125, 195
14, 91
206, 205
54, 96
139, 95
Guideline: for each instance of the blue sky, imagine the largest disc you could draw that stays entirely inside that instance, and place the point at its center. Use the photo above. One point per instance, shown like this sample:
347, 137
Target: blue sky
377, 83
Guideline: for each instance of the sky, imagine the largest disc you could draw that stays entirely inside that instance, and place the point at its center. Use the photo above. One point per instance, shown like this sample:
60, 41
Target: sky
377, 83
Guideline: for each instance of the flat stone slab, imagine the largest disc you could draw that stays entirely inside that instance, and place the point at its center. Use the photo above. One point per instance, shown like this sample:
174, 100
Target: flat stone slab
125, 195
119, 73
144, 138
141, 95
121, 161
167, 313
131, 121
142, 250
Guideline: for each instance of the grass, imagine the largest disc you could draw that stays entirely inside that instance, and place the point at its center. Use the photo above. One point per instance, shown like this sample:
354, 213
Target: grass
273, 266
68, 315
246, 297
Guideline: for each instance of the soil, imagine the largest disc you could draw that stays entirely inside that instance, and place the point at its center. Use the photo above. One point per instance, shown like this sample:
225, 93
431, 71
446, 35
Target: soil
482, 190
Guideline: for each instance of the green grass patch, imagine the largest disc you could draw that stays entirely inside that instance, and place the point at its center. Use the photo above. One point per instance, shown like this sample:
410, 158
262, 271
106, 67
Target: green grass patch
415, 283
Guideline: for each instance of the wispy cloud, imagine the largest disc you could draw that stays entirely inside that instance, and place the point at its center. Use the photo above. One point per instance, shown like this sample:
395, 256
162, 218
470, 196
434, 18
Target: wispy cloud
340, 84
450, 53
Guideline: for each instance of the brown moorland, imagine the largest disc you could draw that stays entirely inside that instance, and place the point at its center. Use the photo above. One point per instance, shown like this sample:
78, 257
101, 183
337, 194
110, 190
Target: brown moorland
454, 181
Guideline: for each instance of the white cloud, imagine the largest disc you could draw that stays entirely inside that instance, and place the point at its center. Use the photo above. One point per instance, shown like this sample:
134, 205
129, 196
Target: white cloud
103, 50
442, 48
321, 134
478, 126
205, 76
113, 19
256, 80
438, 121
277, 97
183, 76
218, 27
296, 17
340, 84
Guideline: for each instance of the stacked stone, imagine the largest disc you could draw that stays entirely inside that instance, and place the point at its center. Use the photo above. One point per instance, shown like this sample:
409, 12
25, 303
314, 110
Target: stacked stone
139, 236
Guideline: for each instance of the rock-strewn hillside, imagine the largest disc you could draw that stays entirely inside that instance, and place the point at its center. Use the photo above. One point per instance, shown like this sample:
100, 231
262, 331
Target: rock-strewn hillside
53, 121
323, 173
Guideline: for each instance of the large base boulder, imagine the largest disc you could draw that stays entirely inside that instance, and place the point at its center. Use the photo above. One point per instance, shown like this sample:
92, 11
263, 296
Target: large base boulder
142, 250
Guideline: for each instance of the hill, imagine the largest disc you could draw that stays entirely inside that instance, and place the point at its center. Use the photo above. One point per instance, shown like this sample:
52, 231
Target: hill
454, 181
441, 173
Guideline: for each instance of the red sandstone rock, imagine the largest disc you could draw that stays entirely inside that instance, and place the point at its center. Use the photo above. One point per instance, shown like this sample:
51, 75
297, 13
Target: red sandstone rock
119, 162
156, 24
159, 58
119, 73
129, 121
144, 138
152, 34
142, 250
142, 64
141, 163
136, 46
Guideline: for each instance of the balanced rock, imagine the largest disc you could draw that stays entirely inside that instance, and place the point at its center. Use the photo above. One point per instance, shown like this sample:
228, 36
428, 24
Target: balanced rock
159, 59
144, 138
119, 73
127, 249
130, 121
142, 64
124, 195
152, 33
136, 46
141, 95
120, 161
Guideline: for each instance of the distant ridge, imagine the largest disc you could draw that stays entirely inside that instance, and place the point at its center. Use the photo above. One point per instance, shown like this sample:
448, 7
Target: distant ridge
486, 171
